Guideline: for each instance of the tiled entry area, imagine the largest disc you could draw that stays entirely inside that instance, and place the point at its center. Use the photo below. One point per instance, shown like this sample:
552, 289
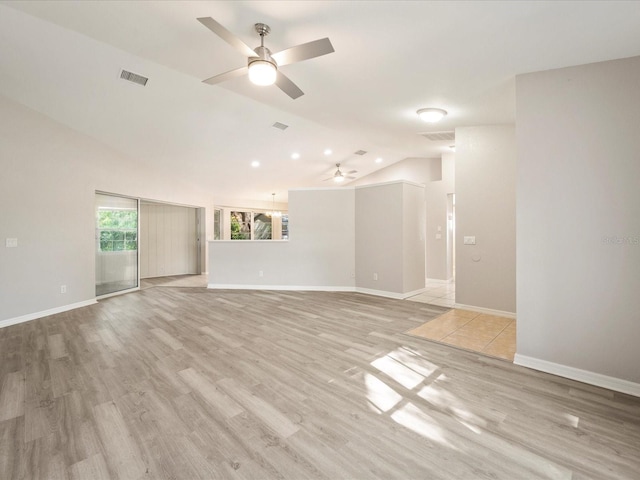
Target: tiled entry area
478, 332
441, 294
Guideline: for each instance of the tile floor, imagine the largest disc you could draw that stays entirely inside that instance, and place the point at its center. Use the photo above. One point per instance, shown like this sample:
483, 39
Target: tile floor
441, 294
478, 332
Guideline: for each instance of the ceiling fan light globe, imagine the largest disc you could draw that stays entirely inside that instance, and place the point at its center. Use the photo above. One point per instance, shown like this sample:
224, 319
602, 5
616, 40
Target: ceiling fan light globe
262, 72
338, 179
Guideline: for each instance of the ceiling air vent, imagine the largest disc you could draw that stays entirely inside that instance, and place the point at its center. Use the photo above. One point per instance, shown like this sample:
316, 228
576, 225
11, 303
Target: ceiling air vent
437, 136
133, 77
360, 152
280, 126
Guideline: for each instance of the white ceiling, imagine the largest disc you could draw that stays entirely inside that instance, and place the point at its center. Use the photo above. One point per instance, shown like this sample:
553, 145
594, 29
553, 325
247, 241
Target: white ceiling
391, 58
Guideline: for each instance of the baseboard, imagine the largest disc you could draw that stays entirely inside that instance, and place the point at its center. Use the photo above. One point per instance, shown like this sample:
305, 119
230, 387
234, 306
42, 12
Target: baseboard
45, 313
414, 293
585, 376
380, 293
438, 280
316, 288
488, 311
297, 288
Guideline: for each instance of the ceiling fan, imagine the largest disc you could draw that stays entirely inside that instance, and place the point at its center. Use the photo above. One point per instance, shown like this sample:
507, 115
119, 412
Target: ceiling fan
339, 176
262, 65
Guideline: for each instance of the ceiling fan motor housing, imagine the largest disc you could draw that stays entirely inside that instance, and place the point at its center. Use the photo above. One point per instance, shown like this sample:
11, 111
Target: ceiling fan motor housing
263, 55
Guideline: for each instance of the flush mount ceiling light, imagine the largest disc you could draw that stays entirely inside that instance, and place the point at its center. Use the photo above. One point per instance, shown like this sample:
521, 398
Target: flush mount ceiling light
295, 155
255, 164
431, 115
378, 160
328, 151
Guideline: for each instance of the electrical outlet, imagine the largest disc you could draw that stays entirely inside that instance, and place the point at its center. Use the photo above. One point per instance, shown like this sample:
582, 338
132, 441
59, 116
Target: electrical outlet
375, 276
261, 273
63, 289
11, 243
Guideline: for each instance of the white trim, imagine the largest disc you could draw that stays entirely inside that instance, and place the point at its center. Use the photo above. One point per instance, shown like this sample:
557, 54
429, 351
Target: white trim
414, 293
437, 280
380, 293
585, 376
308, 189
390, 182
315, 288
489, 311
45, 313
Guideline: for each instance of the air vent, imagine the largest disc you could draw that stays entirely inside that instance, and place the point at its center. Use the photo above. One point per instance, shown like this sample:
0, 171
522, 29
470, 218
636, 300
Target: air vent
437, 136
134, 77
280, 126
360, 152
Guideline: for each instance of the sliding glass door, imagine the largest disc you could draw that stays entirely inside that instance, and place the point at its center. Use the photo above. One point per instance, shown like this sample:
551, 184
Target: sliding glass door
116, 243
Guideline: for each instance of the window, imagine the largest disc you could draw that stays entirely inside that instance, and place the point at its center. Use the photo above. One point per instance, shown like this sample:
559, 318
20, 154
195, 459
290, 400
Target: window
262, 227
285, 227
217, 224
117, 230
240, 225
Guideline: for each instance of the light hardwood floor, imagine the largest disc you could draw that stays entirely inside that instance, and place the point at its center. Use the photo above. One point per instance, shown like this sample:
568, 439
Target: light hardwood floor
185, 383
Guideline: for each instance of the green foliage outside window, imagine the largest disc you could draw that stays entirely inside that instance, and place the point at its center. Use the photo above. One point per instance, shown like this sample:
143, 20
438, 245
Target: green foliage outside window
118, 230
240, 226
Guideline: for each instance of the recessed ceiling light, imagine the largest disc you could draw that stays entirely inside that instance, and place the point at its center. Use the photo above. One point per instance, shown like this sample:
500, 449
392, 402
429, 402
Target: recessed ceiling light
255, 164
452, 147
295, 155
378, 160
431, 115
328, 151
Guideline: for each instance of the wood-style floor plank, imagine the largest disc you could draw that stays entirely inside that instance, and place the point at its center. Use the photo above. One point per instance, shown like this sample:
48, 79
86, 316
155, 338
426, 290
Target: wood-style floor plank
185, 383
12, 396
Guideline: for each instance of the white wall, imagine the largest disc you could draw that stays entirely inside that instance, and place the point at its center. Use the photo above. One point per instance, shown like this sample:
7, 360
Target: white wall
485, 179
48, 178
320, 252
438, 177
339, 237
439, 255
379, 229
168, 240
578, 132
413, 237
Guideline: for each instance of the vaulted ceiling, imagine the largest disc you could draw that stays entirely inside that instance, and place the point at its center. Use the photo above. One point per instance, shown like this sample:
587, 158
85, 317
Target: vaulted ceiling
391, 58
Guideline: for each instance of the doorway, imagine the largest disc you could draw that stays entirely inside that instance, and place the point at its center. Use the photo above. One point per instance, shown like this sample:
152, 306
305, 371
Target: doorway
116, 244
169, 240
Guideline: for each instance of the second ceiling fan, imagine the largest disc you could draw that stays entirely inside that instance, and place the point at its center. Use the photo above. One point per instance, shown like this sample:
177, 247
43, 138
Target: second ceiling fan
262, 65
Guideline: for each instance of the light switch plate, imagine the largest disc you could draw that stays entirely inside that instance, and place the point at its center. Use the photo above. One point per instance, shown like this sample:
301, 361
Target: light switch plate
438, 236
11, 242
470, 240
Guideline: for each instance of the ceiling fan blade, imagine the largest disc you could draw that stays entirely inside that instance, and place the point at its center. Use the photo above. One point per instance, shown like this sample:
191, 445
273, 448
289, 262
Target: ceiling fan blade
349, 177
238, 72
351, 172
287, 86
302, 52
227, 36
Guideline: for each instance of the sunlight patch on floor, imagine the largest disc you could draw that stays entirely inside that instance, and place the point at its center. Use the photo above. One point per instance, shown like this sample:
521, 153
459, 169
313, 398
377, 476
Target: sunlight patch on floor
396, 370
411, 417
380, 394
